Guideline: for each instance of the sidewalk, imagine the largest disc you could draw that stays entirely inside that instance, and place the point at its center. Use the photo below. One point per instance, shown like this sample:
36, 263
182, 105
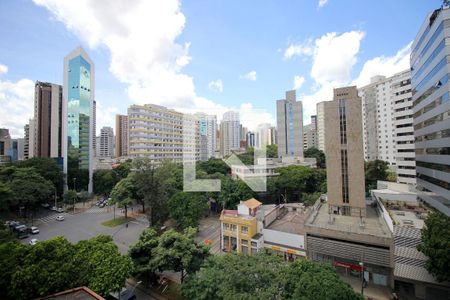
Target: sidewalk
372, 291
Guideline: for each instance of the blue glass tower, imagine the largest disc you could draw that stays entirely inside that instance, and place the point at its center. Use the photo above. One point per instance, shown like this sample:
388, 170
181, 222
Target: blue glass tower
78, 104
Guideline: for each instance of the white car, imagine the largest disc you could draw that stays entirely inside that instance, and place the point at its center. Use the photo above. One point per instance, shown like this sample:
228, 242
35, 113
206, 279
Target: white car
60, 209
60, 218
33, 242
34, 230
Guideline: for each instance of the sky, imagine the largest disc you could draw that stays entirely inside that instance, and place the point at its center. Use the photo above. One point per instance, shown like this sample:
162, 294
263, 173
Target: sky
209, 56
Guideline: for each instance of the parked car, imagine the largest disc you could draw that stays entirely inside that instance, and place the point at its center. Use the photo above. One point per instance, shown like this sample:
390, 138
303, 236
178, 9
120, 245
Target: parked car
60, 218
60, 209
33, 230
21, 231
54, 208
33, 242
102, 205
45, 205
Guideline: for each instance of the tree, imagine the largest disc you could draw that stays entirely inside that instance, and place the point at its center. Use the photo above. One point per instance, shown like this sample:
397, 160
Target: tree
141, 253
55, 265
187, 208
70, 197
124, 193
436, 245
102, 267
178, 252
5, 196
264, 276
213, 166
311, 280
123, 169
248, 157
233, 191
272, 151
104, 181
48, 169
375, 170
6, 235
313, 152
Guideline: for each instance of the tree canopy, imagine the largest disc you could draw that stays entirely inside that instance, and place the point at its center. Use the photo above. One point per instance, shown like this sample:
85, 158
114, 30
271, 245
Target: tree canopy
187, 208
264, 276
436, 245
319, 155
48, 169
124, 193
56, 265
375, 170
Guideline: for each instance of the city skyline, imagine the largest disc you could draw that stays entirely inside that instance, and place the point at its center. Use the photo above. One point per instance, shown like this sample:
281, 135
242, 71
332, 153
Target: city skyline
297, 54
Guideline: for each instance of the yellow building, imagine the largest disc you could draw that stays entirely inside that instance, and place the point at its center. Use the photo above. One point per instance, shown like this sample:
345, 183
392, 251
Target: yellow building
239, 228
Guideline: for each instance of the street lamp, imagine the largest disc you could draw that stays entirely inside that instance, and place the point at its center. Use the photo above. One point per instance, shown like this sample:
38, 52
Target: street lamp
362, 278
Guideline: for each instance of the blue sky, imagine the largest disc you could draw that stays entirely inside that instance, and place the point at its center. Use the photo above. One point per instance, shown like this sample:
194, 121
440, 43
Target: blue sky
195, 55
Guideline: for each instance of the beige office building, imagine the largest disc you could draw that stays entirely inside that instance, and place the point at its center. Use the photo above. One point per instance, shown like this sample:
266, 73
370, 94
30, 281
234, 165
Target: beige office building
344, 153
121, 136
320, 125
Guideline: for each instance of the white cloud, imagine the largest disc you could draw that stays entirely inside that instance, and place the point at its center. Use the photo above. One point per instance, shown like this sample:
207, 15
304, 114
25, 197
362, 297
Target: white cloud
3, 69
334, 56
216, 85
305, 48
298, 82
322, 3
16, 105
105, 116
249, 76
383, 65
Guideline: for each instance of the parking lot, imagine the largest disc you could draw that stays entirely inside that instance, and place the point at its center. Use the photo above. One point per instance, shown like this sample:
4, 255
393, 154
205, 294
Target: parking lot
87, 224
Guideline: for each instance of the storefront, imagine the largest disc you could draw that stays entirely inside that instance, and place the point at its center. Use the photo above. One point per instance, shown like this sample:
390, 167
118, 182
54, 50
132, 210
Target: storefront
287, 253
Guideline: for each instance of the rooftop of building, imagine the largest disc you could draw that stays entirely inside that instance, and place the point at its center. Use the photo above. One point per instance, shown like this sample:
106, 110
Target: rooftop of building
79, 293
291, 219
231, 213
373, 224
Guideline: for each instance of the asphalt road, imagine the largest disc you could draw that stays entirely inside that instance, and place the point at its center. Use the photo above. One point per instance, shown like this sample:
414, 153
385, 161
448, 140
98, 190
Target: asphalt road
85, 225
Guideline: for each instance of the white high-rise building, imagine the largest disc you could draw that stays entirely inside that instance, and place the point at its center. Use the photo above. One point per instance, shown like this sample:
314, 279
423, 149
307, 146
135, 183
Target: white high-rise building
387, 123
229, 133
106, 142
320, 125
263, 135
208, 135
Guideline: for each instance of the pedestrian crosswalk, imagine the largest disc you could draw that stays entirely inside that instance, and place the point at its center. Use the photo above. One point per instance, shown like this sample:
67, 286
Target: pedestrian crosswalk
52, 217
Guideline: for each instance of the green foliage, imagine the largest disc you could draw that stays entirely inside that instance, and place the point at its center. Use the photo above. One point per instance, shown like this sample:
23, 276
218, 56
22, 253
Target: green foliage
178, 252
48, 169
142, 252
310, 199
124, 193
123, 169
70, 197
6, 235
319, 155
187, 208
272, 151
104, 181
233, 191
375, 170
436, 245
213, 166
56, 265
247, 158
295, 181
23, 187
264, 276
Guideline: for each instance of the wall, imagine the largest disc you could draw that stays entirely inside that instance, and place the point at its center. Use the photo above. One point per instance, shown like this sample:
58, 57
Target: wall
284, 238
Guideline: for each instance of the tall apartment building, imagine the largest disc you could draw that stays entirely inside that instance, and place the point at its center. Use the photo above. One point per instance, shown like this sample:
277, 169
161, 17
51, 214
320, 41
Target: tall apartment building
378, 121
155, 132
273, 136
94, 126
250, 139
5, 145
208, 135
290, 126
78, 99
344, 153
320, 115
48, 120
106, 142
230, 133
431, 108
310, 134
387, 123
404, 131
31, 138
26, 141
121, 145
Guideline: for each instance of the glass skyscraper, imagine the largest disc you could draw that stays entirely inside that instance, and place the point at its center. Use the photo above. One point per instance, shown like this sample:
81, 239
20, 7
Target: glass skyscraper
78, 103
430, 70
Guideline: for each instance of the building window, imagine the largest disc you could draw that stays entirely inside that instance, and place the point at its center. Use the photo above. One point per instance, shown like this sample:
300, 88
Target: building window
232, 227
244, 229
226, 226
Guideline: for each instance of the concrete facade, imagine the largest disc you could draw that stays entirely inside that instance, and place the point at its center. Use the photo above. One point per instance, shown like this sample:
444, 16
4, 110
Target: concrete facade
229, 133
106, 145
290, 126
344, 153
121, 145
320, 110
208, 135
